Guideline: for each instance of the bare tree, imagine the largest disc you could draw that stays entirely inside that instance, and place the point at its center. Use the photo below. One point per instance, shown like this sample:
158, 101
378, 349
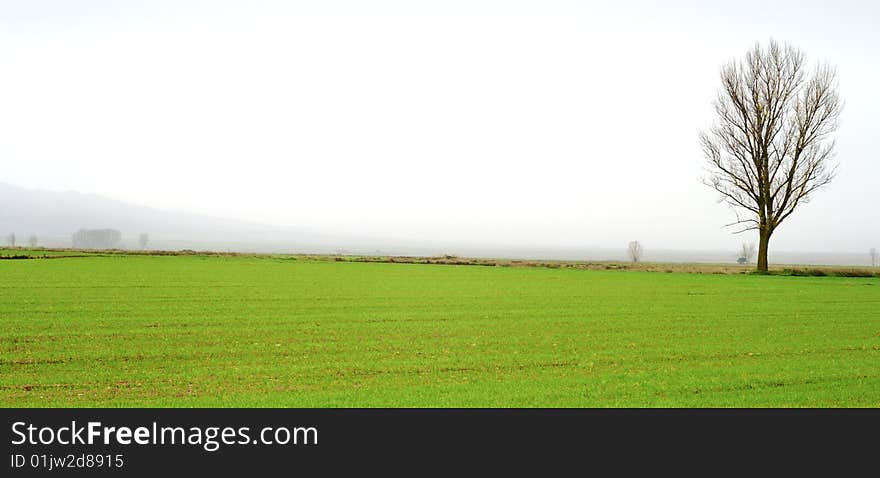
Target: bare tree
143, 239
747, 253
32, 240
770, 147
874, 256
634, 250
11, 239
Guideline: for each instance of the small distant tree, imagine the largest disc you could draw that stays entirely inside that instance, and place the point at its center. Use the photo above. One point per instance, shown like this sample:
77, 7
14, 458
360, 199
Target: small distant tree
747, 253
11, 239
143, 239
634, 250
32, 241
874, 256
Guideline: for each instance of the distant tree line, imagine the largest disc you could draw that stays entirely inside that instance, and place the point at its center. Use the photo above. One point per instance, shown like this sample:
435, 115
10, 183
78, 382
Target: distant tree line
96, 239
84, 239
11, 240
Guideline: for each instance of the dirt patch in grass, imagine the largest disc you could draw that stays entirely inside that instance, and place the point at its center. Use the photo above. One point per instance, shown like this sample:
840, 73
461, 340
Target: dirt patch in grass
690, 268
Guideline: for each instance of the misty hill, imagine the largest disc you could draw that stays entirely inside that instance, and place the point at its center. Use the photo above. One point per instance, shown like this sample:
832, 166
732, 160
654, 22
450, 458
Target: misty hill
55, 216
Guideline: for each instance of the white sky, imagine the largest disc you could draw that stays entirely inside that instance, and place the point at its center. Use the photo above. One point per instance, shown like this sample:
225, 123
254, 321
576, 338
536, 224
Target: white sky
539, 123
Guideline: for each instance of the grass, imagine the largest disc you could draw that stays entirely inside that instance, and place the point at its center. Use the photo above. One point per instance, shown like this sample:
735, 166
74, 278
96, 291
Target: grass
224, 330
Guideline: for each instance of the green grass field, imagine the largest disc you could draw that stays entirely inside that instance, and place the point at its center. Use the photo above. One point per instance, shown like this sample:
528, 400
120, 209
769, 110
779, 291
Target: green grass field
185, 331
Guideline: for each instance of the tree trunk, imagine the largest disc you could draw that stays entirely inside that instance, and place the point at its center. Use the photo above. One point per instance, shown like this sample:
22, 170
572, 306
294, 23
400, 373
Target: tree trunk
763, 245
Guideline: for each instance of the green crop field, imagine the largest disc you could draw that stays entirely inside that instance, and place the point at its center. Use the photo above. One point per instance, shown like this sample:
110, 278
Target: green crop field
272, 331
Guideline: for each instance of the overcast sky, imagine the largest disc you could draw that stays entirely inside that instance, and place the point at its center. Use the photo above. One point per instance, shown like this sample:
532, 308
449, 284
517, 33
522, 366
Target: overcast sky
539, 123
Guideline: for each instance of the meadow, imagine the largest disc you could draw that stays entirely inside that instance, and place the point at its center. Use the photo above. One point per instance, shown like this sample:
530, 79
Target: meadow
112, 330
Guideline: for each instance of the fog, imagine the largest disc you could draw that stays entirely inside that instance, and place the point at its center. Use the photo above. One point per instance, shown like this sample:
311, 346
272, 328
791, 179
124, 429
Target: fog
532, 129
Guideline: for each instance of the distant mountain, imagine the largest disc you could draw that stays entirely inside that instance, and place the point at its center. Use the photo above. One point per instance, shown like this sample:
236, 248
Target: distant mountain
54, 216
